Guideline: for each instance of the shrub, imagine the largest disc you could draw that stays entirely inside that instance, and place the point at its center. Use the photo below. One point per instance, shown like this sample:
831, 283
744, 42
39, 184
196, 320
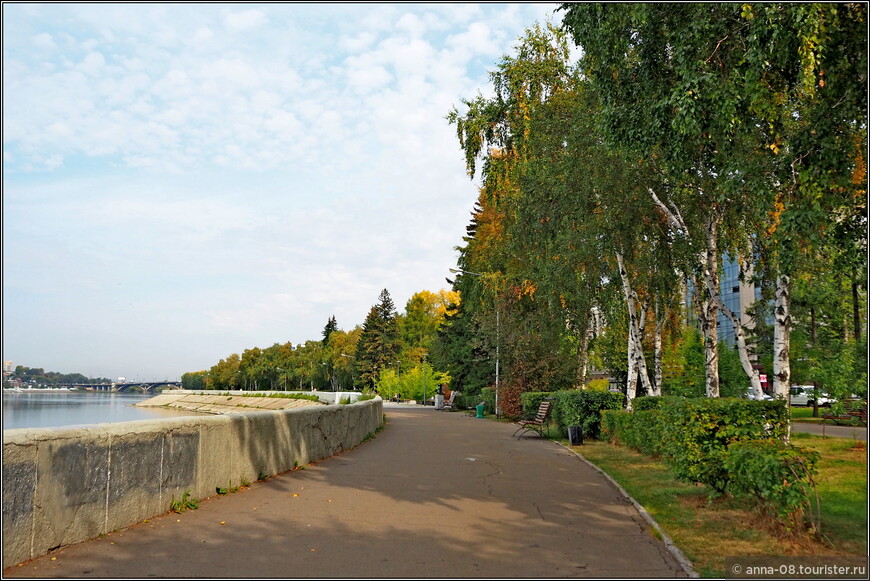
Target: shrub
643, 430
653, 402
694, 434
702, 429
583, 408
466, 401
779, 476
531, 401
598, 385
487, 396
510, 400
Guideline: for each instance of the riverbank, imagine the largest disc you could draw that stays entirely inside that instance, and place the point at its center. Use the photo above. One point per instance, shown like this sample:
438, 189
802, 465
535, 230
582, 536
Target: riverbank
65, 485
226, 403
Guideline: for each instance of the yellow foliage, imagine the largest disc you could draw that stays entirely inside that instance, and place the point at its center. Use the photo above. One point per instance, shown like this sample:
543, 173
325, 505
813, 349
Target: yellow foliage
778, 208
437, 304
529, 288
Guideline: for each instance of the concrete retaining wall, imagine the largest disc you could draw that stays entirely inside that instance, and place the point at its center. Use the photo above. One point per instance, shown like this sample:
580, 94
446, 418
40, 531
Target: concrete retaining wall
66, 485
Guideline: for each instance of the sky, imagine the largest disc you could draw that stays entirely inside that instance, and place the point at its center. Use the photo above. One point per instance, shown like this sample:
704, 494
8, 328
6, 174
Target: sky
182, 182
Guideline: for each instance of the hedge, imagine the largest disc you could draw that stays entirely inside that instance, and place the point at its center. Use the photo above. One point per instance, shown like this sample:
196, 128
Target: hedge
574, 407
693, 435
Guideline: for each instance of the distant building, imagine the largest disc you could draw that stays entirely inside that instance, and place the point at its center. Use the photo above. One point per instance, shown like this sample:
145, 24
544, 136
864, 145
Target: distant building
738, 295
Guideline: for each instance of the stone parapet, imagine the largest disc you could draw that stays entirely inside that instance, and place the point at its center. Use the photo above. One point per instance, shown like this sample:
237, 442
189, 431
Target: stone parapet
66, 485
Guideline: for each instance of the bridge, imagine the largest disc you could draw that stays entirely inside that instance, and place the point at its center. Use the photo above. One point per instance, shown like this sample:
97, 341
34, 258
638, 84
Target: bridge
122, 387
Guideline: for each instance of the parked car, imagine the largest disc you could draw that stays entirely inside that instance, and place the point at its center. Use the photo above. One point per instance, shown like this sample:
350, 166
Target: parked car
806, 395
749, 395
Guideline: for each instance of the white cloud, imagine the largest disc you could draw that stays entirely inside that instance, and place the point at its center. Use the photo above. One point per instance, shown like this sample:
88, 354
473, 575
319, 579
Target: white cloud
202, 35
237, 175
244, 20
92, 64
44, 40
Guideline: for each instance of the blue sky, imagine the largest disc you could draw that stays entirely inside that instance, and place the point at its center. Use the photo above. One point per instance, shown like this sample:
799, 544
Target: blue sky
186, 181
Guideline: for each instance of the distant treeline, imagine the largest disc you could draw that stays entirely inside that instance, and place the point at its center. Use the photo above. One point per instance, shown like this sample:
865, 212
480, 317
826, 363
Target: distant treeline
38, 376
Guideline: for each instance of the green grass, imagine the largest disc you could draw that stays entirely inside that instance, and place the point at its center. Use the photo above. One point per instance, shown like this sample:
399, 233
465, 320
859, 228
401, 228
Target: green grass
805, 414
710, 529
842, 487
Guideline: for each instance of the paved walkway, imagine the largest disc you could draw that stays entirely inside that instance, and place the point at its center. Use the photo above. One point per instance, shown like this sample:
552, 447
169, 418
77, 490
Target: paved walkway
434, 495
831, 430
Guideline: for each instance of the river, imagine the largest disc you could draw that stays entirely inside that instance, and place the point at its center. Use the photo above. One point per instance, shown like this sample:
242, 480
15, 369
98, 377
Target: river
50, 408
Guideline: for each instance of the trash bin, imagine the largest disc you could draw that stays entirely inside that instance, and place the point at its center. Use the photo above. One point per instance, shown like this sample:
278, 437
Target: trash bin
439, 401
575, 435
480, 407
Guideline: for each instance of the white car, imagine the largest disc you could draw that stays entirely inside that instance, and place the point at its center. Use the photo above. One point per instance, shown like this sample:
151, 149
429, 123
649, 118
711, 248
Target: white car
749, 395
806, 395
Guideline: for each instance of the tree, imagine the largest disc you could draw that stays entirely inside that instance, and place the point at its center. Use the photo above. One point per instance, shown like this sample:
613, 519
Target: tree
734, 105
378, 346
424, 314
341, 349
330, 327
502, 297
459, 349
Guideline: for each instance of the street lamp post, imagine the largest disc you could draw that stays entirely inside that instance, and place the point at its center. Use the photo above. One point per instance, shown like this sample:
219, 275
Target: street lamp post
351, 373
497, 339
424, 378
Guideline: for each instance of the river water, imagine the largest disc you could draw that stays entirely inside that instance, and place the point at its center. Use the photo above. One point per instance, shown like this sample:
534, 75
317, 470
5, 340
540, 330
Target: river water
49, 408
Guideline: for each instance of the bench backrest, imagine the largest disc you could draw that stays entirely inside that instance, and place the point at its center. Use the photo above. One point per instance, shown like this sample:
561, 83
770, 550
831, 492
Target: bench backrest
543, 411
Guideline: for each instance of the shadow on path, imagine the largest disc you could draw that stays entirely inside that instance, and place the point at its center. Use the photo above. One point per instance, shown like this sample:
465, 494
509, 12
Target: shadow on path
435, 494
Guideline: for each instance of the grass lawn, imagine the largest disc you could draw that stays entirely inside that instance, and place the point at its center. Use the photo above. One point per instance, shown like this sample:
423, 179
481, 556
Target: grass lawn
805, 414
708, 529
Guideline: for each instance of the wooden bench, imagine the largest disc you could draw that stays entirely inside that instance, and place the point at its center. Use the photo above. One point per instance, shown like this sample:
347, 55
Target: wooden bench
448, 403
852, 418
538, 423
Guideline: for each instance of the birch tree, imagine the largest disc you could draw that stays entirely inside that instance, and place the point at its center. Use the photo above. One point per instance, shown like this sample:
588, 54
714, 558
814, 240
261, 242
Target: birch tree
709, 92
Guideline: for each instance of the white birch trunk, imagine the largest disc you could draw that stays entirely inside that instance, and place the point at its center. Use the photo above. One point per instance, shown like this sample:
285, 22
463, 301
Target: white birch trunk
657, 351
583, 356
781, 338
639, 332
782, 343
707, 305
710, 324
636, 359
743, 351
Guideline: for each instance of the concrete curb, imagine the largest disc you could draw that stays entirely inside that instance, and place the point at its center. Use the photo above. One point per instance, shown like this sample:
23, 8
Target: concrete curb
684, 562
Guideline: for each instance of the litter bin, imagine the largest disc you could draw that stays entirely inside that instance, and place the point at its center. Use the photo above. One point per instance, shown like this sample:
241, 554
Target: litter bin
439, 401
575, 435
480, 407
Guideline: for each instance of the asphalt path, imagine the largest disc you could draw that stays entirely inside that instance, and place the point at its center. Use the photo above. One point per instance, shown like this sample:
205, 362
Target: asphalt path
435, 494
831, 430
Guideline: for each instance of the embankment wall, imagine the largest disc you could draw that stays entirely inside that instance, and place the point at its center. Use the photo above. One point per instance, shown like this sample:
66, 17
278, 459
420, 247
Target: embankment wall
66, 485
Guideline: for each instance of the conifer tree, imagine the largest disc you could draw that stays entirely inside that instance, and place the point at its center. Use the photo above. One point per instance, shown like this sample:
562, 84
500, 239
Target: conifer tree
331, 326
378, 346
